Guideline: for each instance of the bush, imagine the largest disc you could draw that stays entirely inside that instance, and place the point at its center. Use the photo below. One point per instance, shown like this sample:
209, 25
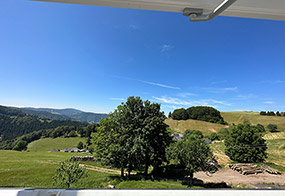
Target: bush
21, 145
80, 145
69, 173
223, 133
245, 144
214, 136
272, 128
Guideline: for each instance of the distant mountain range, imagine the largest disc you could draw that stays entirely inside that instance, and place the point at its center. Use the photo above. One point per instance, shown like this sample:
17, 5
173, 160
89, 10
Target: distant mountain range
63, 114
15, 122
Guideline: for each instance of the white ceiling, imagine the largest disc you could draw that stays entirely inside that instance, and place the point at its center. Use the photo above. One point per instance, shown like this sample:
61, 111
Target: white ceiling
266, 9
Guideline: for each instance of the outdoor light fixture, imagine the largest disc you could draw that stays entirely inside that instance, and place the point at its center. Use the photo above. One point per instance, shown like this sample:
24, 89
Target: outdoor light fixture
197, 14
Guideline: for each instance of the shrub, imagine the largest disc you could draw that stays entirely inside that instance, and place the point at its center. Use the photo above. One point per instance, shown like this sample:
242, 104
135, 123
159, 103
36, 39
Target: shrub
214, 136
272, 128
69, 173
20, 146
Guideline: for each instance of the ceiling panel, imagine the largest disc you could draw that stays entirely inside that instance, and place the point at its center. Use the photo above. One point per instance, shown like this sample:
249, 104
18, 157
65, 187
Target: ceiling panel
266, 9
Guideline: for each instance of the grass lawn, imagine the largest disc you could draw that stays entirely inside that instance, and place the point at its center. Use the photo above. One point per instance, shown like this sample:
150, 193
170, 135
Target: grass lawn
148, 184
36, 169
47, 144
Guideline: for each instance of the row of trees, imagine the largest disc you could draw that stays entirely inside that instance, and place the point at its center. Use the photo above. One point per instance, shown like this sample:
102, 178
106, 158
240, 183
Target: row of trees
61, 131
203, 113
271, 113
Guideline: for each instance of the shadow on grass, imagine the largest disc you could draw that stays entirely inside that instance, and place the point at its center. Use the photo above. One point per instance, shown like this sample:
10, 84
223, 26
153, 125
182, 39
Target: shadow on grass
171, 173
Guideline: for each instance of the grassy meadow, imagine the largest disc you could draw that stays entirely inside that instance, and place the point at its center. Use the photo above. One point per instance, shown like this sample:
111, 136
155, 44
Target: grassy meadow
179, 126
276, 152
36, 167
47, 144
254, 118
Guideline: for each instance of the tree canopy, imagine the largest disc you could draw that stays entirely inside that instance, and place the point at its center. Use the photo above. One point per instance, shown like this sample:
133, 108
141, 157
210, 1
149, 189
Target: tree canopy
203, 113
244, 143
191, 152
134, 136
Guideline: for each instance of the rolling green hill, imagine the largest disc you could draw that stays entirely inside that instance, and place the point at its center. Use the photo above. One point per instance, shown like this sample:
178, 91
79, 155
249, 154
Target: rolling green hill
230, 117
15, 123
64, 114
179, 126
47, 144
254, 118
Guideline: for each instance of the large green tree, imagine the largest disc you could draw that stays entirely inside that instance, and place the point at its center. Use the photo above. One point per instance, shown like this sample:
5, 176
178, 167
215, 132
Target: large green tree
191, 152
244, 143
134, 136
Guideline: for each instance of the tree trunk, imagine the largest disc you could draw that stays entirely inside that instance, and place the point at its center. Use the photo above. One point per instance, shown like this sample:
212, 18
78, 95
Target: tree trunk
191, 178
146, 169
146, 163
122, 172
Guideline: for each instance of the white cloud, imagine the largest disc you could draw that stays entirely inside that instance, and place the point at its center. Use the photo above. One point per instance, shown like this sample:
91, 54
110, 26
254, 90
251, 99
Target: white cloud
148, 82
165, 48
133, 26
268, 102
177, 101
245, 97
221, 90
157, 84
183, 95
117, 99
171, 106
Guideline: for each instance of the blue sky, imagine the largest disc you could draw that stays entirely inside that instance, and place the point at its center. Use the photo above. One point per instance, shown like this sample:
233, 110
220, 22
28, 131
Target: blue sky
92, 58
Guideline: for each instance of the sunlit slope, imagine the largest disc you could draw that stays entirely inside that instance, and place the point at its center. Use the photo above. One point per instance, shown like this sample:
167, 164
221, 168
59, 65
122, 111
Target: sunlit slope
254, 118
47, 144
179, 126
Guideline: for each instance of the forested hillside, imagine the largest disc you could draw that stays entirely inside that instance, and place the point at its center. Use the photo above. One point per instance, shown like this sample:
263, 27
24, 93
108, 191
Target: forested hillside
64, 114
14, 123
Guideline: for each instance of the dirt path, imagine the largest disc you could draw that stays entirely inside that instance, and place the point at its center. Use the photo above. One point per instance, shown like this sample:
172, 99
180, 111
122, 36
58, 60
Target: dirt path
101, 169
234, 178
221, 155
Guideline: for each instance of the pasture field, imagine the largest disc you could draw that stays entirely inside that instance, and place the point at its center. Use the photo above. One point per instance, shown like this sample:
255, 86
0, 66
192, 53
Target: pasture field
254, 118
179, 126
36, 167
47, 144
276, 152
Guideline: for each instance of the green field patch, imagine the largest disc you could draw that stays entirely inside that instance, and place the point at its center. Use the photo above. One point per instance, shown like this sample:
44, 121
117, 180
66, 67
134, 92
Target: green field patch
179, 126
254, 118
47, 144
148, 184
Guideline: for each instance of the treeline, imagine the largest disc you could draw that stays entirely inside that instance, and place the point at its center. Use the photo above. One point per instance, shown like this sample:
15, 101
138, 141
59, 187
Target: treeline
15, 123
61, 131
271, 113
203, 113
